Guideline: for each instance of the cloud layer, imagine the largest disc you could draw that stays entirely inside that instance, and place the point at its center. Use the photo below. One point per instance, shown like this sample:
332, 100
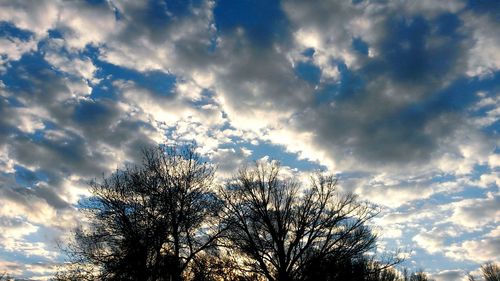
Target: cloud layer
400, 99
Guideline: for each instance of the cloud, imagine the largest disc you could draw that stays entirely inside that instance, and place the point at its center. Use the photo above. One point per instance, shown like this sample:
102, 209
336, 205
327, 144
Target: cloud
77, 67
12, 49
83, 24
152, 36
342, 124
38, 17
433, 241
482, 250
483, 57
475, 213
450, 275
230, 159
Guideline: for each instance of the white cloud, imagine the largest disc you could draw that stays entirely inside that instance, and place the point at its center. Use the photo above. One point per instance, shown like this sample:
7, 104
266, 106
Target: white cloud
476, 213
11, 49
395, 196
37, 211
87, 24
38, 16
494, 160
450, 275
484, 56
481, 250
490, 179
433, 241
78, 67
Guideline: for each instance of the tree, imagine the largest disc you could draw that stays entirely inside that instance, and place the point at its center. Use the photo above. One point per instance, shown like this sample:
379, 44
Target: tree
490, 272
222, 266
280, 228
5, 277
356, 268
419, 276
148, 222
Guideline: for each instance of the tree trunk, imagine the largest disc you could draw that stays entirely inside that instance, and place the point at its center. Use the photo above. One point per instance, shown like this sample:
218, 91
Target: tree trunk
283, 275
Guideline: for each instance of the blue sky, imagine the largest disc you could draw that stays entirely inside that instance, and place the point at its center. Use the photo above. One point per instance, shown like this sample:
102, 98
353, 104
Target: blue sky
398, 98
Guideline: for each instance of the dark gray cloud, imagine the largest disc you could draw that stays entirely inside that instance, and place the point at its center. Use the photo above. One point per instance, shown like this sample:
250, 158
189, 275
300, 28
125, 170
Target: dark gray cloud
389, 109
398, 106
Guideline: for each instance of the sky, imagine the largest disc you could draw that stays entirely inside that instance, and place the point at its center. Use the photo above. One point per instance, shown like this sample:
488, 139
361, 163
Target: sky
400, 99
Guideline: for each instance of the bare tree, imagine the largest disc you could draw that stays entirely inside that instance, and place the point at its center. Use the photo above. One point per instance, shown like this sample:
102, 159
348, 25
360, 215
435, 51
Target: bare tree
149, 222
355, 268
5, 277
222, 266
280, 227
416, 276
490, 271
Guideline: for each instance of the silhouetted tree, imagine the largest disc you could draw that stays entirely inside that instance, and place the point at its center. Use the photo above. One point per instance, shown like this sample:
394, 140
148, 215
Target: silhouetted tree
76, 271
5, 277
149, 222
490, 272
416, 276
219, 267
356, 268
280, 227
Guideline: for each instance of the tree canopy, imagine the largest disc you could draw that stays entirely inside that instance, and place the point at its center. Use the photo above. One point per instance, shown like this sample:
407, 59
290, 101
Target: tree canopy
149, 222
281, 227
168, 218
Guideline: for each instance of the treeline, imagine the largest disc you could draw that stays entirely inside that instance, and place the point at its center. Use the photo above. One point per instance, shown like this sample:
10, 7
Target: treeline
169, 219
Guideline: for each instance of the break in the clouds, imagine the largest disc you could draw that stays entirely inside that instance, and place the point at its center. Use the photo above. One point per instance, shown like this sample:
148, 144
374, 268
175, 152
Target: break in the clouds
399, 98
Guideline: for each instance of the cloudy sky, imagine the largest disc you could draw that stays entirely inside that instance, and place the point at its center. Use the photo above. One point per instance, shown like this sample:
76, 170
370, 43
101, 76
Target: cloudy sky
399, 98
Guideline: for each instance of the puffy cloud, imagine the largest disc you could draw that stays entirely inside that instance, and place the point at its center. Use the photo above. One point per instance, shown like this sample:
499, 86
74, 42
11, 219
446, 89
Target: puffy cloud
14, 228
484, 55
230, 159
161, 40
482, 250
340, 120
12, 49
38, 17
450, 275
12, 267
494, 160
433, 241
78, 67
84, 24
475, 213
